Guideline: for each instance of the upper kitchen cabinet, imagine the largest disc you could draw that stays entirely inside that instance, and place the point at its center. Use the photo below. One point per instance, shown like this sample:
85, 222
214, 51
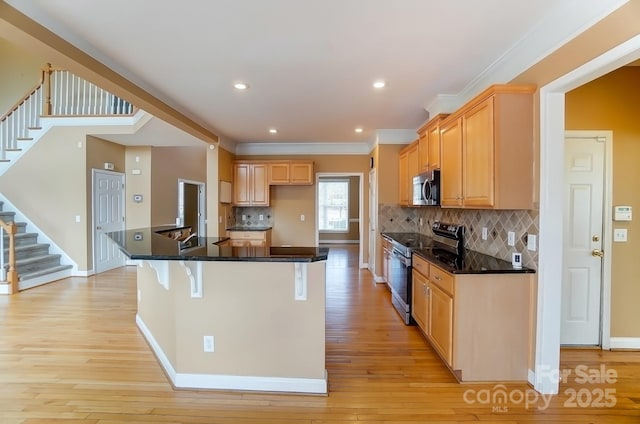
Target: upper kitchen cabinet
251, 186
429, 144
297, 172
487, 151
407, 169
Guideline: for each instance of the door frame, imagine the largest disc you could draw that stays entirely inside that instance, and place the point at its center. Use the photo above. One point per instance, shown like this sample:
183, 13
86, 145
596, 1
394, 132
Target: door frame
202, 221
94, 237
552, 132
361, 262
607, 229
373, 223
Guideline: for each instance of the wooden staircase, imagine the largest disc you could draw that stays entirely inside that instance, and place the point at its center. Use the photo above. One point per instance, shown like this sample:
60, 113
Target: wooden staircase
33, 259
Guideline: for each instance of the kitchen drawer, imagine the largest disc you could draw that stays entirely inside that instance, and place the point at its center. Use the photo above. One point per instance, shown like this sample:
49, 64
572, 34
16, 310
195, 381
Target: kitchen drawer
420, 265
440, 278
247, 235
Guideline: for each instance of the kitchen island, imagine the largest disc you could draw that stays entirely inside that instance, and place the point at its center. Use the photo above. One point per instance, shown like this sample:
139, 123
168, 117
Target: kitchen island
222, 317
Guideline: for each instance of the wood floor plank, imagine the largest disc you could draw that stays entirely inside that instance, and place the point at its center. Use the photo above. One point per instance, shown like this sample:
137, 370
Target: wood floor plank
70, 352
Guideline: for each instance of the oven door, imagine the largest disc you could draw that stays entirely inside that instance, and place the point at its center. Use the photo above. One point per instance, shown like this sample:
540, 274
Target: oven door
400, 276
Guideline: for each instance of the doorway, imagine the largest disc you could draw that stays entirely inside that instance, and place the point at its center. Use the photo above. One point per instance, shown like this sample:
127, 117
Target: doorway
191, 206
587, 197
552, 133
354, 218
108, 216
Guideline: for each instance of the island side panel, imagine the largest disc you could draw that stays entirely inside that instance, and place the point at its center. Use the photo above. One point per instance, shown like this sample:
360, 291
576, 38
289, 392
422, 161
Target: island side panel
156, 310
259, 328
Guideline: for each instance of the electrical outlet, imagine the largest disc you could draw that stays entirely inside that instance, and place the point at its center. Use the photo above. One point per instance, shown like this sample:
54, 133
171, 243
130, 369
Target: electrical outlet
420, 222
485, 233
244, 217
511, 238
208, 344
301, 217
261, 217
531, 242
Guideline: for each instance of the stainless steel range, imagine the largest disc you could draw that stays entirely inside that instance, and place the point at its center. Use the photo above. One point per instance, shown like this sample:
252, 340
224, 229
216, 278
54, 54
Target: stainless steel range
446, 246
400, 269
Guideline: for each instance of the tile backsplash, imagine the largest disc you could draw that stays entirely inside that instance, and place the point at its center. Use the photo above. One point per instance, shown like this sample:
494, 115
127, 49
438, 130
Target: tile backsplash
252, 217
393, 218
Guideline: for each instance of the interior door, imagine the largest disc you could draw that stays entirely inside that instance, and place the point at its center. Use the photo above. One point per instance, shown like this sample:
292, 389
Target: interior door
108, 216
583, 229
191, 207
373, 215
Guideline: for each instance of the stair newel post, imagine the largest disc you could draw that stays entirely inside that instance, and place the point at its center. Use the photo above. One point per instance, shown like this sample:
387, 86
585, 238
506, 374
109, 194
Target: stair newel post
12, 274
46, 77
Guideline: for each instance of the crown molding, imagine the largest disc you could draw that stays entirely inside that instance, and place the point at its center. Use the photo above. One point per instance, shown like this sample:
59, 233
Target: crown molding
565, 22
314, 148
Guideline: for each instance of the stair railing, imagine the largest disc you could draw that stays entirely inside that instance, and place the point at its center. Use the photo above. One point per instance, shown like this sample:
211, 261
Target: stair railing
58, 93
23, 115
8, 271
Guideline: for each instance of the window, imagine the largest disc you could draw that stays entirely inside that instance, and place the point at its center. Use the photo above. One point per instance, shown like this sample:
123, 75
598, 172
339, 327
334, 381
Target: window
333, 205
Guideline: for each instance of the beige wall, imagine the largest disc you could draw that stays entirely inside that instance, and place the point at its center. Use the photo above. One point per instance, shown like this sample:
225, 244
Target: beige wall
353, 233
289, 202
612, 102
99, 151
48, 185
168, 164
138, 214
19, 73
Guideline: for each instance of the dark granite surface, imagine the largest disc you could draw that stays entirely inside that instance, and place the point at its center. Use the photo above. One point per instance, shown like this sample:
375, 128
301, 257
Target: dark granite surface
146, 243
248, 228
470, 262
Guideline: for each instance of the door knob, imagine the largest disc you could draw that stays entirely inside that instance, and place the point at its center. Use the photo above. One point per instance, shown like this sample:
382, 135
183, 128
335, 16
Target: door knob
597, 252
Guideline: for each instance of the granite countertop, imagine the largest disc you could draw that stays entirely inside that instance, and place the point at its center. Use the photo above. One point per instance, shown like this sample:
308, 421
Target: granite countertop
148, 244
248, 228
470, 262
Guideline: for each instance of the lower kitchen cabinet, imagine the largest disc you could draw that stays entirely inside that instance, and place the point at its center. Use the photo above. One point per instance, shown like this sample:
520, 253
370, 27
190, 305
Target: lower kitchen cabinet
261, 238
479, 324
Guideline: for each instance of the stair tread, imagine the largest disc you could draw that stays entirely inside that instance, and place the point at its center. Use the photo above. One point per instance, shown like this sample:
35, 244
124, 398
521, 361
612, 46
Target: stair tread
44, 271
36, 259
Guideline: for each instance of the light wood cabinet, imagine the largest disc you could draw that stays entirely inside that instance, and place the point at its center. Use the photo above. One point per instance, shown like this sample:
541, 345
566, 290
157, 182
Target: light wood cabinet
451, 166
387, 248
291, 173
408, 167
250, 184
419, 300
487, 151
249, 238
429, 144
477, 323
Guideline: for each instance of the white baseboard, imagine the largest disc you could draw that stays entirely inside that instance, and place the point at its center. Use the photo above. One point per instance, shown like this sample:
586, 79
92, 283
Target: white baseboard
379, 279
87, 273
339, 241
4, 288
232, 382
625, 343
531, 377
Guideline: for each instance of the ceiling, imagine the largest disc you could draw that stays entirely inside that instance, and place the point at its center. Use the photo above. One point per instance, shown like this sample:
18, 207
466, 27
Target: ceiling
309, 64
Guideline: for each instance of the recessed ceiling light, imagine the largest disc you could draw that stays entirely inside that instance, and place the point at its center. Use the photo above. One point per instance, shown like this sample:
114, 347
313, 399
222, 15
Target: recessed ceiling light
241, 86
379, 84
359, 130
273, 131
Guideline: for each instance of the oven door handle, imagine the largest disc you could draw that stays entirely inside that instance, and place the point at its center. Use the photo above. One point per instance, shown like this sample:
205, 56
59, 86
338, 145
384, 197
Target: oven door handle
405, 261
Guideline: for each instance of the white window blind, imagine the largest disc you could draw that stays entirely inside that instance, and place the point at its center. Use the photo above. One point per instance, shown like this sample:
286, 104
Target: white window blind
333, 205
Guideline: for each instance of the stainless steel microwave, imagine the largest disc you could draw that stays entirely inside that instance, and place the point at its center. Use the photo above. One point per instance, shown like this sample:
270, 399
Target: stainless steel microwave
426, 189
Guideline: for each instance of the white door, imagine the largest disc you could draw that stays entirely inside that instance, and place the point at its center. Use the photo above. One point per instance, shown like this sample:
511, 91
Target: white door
583, 232
108, 215
373, 217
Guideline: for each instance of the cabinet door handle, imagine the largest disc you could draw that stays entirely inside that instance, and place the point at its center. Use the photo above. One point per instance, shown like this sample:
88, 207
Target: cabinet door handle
437, 277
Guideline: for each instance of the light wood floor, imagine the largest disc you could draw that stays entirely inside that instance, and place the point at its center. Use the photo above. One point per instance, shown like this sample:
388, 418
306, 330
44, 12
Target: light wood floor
70, 352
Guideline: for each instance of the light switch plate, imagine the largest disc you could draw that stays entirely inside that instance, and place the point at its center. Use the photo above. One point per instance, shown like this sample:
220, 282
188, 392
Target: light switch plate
531, 242
619, 234
511, 238
485, 233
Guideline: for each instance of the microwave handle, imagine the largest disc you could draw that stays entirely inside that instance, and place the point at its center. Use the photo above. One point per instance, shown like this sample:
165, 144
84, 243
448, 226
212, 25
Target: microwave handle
424, 190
